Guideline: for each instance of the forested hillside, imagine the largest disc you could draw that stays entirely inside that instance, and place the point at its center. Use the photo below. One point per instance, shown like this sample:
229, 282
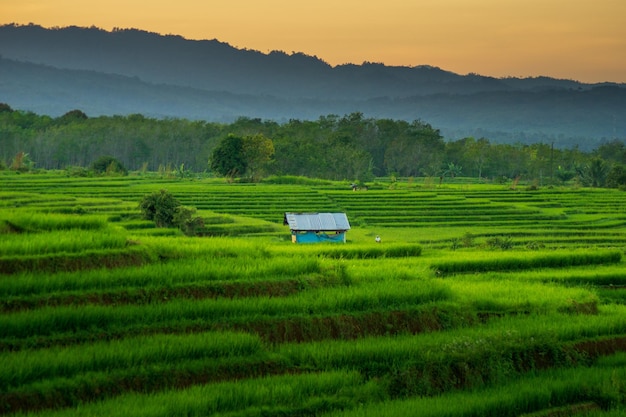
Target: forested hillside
129, 71
350, 147
214, 65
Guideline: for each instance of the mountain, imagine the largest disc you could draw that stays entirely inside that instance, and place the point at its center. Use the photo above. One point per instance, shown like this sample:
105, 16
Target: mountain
52, 71
213, 65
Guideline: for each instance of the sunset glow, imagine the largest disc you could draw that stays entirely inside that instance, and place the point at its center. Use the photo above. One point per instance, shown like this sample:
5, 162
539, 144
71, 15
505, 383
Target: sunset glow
572, 39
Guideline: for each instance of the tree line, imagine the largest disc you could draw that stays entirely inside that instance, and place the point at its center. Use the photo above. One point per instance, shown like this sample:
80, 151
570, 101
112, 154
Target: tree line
350, 147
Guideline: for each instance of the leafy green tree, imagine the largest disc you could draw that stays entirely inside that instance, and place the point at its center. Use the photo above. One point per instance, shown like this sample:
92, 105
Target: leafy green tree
242, 156
108, 165
538, 161
165, 210
182, 173
294, 147
470, 153
186, 220
386, 131
228, 158
452, 170
594, 174
245, 126
159, 207
564, 174
418, 150
612, 151
479, 154
350, 147
507, 161
616, 177
257, 151
72, 116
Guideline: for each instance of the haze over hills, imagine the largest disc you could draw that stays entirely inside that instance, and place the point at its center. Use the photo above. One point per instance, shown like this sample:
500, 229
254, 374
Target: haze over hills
52, 71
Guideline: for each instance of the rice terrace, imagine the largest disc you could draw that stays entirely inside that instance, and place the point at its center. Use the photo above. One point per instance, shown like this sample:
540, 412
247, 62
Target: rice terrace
480, 299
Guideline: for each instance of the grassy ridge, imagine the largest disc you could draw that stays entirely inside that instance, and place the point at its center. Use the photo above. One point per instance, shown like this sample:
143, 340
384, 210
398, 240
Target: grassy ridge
88, 259
526, 261
20, 368
56, 321
591, 390
407, 366
179, 272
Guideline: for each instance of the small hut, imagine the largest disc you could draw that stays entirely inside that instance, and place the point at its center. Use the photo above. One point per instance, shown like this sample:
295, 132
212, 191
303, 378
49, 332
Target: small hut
317, 227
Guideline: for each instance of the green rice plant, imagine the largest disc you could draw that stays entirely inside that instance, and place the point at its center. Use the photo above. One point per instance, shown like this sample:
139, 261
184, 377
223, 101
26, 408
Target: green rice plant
371, 251
587, 390
294, 179
297, 276
512, 262
612, 295
237, 229
486, 292
388, 269
92, 386
586, 275
616, 411
526, 395
10, 199
137, 224
495, 337
463, 345
520, 297
305, 394
429, 364
88, 259
179, 272
537, 307
18, 368
62, 241
32, 221
325, 301
502, 298
210, 247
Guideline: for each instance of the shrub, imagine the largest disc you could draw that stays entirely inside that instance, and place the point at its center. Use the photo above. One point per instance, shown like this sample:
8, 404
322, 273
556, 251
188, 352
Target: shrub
108, 165
160, 207
504, 243
467, 240
22, 162
187, 222
616, 177
166, 211
77, 171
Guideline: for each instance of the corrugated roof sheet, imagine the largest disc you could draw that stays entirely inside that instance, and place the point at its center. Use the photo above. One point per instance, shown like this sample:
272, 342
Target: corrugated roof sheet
317, 221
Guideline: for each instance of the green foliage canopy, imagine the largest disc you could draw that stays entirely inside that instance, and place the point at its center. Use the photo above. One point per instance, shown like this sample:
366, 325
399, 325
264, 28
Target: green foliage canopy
165, 210
228, 158
257, 152
160, 207
616, 177
108, 165
350, 147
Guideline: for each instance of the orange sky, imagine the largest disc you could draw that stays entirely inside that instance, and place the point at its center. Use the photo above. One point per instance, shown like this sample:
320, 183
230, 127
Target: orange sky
576, 39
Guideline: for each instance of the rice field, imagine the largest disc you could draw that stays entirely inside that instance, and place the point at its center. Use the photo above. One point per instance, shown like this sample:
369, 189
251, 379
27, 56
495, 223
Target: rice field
481, 300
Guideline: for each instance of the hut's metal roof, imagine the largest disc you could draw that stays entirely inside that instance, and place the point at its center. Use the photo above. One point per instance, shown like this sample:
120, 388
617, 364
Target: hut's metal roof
317, 221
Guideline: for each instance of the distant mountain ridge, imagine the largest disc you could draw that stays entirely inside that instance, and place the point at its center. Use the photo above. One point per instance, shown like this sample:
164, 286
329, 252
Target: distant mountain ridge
134, 71
214, 65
